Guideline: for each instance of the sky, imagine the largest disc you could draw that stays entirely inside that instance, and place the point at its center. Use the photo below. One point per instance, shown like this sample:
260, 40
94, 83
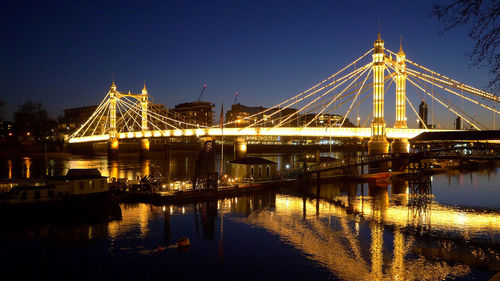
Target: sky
65, 53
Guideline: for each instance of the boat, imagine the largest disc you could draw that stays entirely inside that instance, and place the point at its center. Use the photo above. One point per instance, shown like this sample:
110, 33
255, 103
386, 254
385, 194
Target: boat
380, 176
77, 185
81, 193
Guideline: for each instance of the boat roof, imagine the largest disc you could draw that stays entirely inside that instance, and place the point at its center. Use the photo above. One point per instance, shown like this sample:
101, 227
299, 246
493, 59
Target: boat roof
80, 174
252, 161
32, 187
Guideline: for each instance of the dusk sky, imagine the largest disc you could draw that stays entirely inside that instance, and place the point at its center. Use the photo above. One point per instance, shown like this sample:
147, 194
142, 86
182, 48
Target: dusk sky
65, 53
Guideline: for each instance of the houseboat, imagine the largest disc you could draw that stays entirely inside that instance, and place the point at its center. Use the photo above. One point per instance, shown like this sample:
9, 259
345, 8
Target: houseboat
76, 185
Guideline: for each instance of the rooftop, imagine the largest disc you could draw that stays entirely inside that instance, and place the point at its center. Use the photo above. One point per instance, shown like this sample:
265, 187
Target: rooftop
252, 161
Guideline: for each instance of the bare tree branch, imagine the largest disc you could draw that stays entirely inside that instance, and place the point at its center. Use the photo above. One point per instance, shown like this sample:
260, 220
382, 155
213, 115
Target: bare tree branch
485, 31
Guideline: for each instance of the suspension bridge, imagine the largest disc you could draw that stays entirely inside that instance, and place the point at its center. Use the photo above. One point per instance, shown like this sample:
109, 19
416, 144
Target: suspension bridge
123, 115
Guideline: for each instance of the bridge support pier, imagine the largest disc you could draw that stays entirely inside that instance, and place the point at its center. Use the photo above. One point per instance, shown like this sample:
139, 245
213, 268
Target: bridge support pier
400, 146
113, 146
204, 174
240, 148
378, 145
144, 149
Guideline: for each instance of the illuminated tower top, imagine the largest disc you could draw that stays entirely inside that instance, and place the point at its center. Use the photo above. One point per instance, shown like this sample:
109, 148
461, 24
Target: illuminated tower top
379, 44
144, 90
401, 54
113, 86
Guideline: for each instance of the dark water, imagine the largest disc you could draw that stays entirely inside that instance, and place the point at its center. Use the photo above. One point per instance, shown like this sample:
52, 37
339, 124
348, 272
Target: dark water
433, 228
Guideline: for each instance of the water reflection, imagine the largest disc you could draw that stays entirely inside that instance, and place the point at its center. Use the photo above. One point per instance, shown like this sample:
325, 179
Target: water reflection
397, 230
344, 251
381, 239
27, 165
62, 226
9, 164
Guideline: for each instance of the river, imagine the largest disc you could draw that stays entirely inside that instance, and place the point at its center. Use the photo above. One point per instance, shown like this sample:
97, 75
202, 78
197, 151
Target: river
445, 226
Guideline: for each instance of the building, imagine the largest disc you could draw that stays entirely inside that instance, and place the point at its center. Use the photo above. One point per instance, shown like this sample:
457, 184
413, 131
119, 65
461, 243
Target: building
240, 114
423, 110
197, 112
7, 130
324, 120
253, 169
458, 123
74, 118
243, 116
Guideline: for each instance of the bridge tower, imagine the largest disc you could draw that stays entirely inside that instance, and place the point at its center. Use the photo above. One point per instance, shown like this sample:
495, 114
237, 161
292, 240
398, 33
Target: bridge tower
144, 121
113, 139
400, 145
378, 142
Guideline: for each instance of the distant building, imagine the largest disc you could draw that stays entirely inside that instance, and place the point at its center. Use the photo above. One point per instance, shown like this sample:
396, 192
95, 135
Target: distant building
423, 110
324, 120
74, 118
240, 114
7, 130
197, 112
243, 116
458, 123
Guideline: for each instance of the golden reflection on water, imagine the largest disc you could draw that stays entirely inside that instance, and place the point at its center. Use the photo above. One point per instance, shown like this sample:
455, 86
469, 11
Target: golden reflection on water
114, 170
27, 164
9, 163
376, 251
326, 233
145, 167
111, 168
296, 221
397, 267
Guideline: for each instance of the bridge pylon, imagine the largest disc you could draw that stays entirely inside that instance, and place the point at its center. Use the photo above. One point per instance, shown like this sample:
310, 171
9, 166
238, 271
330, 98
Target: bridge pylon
378, 143
144, 121
401, 145
113, 143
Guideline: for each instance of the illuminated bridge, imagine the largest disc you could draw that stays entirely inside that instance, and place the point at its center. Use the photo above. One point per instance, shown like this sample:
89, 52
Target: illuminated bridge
123, 115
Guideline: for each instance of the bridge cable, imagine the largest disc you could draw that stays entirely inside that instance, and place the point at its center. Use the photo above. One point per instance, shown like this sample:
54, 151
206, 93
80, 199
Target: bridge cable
93, 118
443, 104
421, 98
455, 93
93, 114
465, 113
355, 98
466, 88
345, 78
362, 69
337, 96
306, 91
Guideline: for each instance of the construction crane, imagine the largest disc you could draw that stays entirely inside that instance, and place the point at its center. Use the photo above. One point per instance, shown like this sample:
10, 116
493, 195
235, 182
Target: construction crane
202, 91
235, 97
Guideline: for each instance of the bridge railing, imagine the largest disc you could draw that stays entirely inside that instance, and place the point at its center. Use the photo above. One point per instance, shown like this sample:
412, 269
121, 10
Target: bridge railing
472, 154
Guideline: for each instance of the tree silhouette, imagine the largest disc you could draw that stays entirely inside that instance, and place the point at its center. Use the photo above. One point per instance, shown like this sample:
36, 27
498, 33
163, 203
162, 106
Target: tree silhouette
484, 31
31, 120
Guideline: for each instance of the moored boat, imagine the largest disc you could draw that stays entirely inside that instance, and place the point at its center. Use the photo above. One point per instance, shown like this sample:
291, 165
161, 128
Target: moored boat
77, 185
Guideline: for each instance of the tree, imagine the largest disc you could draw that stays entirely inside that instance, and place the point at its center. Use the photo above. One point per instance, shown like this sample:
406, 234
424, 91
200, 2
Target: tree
31, 120
485, 31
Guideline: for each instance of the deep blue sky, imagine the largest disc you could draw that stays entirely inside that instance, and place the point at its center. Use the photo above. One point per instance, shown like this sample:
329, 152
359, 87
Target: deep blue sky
65, 52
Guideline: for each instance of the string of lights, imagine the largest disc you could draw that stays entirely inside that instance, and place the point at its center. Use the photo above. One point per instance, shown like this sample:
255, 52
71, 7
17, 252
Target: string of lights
447, 101
443, 104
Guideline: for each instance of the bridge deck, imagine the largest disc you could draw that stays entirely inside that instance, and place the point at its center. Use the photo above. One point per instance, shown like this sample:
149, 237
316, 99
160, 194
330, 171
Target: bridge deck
260, 131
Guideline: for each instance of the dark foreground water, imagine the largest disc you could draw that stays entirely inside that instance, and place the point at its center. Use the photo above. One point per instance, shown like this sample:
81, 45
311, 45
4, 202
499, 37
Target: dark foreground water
430, 228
